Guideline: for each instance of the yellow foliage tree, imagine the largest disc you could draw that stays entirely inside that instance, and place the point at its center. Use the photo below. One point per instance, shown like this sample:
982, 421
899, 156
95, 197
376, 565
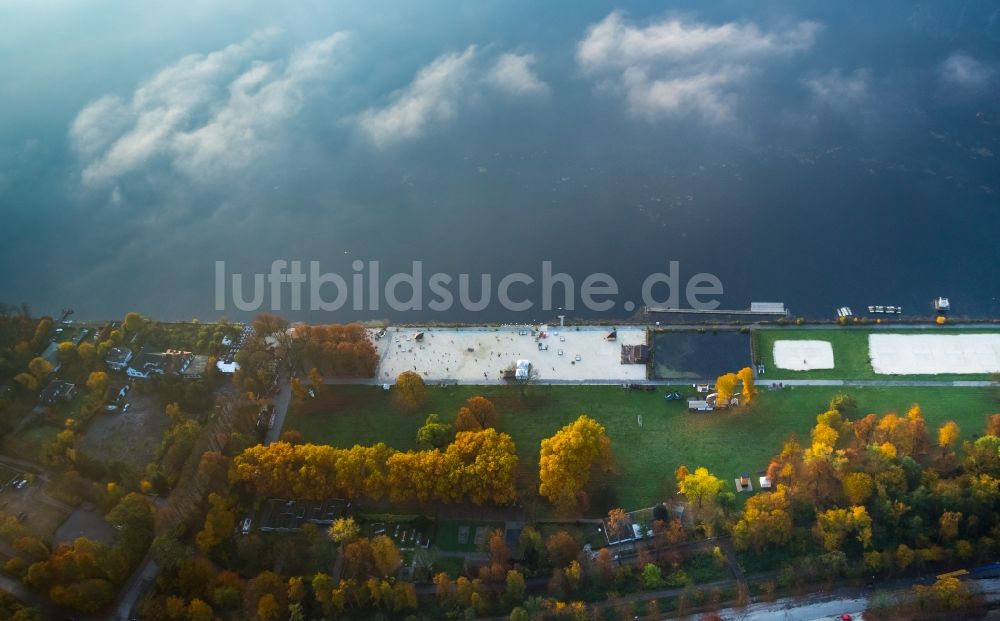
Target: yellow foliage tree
746, 378
766, 521
949, 523
568, 458
701, 487
410, 390
858, 487
97, 382
948, 434
725, 388
833, 526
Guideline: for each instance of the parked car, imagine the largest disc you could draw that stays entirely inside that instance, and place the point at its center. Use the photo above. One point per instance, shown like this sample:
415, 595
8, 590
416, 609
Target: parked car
673, 396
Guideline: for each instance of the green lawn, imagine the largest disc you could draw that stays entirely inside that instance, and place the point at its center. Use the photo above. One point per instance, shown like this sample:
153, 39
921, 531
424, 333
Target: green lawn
850, 352
646, 457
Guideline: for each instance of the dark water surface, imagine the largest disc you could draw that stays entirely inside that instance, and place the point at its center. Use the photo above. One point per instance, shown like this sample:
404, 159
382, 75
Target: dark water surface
859, 169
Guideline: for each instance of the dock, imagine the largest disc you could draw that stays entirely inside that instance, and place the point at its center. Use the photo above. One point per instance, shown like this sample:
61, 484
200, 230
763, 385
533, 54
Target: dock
756, 308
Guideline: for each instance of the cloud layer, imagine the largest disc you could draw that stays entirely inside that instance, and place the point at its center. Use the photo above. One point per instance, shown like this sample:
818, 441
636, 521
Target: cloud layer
513, 74
205, 114
963, 70
441, 87
837, 89
673, 68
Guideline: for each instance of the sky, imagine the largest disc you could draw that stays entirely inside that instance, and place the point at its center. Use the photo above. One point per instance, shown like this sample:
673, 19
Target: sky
142, 142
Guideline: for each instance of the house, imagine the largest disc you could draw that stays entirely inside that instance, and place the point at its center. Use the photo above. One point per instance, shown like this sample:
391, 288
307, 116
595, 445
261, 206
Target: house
147, 364
227, 367
195, 367
118, 358
56, 391
635, 354
173, 361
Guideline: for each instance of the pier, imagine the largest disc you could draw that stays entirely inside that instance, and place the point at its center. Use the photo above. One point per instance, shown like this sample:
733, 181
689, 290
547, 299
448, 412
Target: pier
756, 308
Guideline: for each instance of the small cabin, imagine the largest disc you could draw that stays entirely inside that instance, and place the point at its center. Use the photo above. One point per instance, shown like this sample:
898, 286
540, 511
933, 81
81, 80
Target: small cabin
699, 405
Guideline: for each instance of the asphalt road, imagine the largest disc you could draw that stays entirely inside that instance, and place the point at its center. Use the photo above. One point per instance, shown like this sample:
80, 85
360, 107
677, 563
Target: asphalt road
280, 402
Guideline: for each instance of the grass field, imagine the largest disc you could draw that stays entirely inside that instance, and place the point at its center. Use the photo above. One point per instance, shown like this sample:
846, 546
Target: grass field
850, 353
725, 442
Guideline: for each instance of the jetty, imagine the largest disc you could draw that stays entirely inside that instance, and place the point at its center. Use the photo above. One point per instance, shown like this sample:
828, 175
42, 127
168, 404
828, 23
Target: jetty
756, 308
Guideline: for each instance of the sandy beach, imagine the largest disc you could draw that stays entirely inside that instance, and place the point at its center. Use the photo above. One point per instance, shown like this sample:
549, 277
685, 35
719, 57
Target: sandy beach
803, 355
481, 354
930, 354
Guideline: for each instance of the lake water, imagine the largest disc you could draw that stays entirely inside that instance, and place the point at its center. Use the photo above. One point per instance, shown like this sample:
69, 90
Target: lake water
821, 155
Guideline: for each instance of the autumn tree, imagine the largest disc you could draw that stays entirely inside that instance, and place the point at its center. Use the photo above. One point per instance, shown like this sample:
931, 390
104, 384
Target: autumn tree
515, 588
199, 610
701, 487
562, 548
410, 391
40, 368
434, 433
949, 523
948, 434
834, 525
220, 522
858, 487
766, 520
680, 474
299, 391
746, 378
568, 458
993, 425
67, 353
725, 388
619, 525
946, 597
269, 324
344, 530
385, 556
28, 381
316, 380
478, 413
133, 322
97, 383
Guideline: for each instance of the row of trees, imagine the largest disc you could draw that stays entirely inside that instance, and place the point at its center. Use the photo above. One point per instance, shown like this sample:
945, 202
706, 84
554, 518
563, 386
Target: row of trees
480, 467
340, 350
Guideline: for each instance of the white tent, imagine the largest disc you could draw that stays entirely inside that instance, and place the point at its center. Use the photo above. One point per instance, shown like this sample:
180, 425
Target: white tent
522, 370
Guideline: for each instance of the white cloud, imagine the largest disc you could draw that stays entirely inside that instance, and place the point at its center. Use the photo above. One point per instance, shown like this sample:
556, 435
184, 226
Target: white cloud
512, 74
675, 68
432, 97
204, 114
963, 70
837, 89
